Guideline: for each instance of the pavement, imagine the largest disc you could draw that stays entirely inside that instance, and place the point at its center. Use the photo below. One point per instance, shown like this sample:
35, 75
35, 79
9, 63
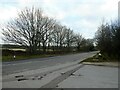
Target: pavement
92, 77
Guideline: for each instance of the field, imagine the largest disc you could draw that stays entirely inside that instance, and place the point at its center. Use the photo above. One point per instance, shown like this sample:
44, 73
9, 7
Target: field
21, 54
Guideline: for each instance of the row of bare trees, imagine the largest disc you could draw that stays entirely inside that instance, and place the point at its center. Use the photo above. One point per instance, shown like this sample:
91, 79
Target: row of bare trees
37, 32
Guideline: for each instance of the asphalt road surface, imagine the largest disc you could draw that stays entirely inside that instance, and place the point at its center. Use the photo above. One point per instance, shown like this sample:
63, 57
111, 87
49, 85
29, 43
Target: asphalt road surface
31, 64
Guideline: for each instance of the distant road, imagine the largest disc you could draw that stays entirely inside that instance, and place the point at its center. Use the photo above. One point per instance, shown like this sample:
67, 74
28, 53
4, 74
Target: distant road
31, 64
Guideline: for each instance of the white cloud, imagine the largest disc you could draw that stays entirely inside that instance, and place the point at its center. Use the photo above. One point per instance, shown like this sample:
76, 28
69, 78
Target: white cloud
109, 9
82, 16
7, 13
86, 28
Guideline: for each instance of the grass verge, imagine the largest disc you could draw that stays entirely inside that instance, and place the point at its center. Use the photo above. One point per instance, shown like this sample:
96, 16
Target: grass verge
22, 57
9, 58
99, 58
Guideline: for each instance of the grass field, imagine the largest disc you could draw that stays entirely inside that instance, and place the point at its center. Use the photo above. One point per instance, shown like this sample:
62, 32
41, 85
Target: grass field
8, 55
22, 57
21, 54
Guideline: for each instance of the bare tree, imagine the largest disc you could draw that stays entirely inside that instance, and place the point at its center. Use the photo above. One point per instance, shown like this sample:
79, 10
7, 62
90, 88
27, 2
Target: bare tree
79, 41
58, 36
55, 36
30, 29
35, 31
70, 38
108, 39
103, 38
21, 30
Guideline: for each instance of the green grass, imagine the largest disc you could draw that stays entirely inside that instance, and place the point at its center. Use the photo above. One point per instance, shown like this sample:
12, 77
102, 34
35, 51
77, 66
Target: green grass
23, 57
10, 58
97, 58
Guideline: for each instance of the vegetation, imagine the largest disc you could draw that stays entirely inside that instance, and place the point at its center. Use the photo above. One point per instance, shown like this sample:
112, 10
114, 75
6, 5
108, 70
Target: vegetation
39, 35
108, 40
100, 58
8, 55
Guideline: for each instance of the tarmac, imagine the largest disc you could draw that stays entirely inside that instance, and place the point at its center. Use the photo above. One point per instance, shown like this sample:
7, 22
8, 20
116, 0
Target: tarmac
70, 75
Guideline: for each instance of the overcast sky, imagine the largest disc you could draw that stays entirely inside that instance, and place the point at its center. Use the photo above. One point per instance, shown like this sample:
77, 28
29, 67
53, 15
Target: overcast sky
83, 16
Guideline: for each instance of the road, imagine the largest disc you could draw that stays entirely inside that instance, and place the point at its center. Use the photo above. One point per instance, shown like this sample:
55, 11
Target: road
31, 64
